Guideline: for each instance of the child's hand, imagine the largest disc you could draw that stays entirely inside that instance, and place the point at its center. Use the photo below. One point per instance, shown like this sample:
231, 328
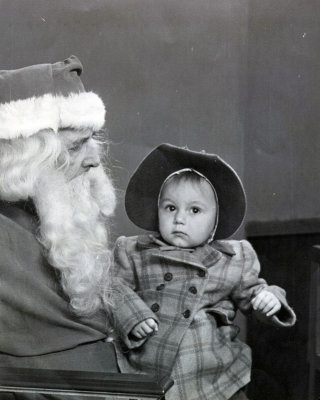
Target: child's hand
145, 328
266, 303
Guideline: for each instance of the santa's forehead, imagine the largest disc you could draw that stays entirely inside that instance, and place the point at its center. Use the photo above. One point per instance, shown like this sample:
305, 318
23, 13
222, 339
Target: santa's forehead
72, 135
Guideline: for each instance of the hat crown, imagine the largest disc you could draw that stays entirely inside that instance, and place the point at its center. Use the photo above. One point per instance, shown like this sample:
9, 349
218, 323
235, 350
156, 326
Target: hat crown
60, 78
47, 96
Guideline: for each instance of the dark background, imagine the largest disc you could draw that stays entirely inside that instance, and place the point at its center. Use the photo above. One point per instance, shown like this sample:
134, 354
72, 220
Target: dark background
239, 78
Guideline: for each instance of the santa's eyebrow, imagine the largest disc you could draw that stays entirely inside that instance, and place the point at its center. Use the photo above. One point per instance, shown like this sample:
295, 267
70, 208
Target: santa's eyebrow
81, 139
76, 142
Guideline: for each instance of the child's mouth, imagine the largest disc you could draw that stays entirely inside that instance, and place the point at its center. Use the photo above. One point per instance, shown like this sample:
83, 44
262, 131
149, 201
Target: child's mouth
179, 233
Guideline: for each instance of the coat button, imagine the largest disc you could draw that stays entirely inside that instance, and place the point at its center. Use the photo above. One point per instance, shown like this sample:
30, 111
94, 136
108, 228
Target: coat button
201, 273
193, 290
155, 307
160, 287
168, 276
186, 313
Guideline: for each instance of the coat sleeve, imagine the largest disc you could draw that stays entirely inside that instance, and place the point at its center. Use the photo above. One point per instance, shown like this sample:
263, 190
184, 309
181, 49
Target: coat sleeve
128, 309
250, 285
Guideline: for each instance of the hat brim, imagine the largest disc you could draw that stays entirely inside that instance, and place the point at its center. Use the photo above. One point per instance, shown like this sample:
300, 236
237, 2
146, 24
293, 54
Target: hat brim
141, 199
24, 118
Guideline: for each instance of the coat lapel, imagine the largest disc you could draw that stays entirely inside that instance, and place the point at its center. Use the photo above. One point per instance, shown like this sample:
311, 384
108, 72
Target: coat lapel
201, 257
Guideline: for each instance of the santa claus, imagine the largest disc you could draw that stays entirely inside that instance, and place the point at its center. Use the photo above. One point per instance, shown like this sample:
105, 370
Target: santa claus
55, 200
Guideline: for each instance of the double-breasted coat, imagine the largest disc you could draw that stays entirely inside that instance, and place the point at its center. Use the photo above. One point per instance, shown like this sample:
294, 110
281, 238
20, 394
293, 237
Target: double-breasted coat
193, 294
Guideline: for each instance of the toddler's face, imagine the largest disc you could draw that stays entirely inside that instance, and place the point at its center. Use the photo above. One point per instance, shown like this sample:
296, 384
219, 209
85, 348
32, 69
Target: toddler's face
187, 213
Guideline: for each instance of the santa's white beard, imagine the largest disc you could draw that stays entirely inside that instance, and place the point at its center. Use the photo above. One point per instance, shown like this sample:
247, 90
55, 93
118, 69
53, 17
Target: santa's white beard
73, 214
73, 230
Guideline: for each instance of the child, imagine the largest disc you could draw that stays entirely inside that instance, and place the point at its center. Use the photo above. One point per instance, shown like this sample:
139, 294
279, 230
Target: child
177, 290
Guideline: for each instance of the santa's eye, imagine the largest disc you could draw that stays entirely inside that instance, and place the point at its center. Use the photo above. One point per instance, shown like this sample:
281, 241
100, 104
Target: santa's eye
76, 147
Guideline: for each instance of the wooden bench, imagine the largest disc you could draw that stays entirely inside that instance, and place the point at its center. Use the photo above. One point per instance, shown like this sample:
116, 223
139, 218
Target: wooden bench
108, 386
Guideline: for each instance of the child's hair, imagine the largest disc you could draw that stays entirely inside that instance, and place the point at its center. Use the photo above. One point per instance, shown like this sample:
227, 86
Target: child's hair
187, 175
183, 176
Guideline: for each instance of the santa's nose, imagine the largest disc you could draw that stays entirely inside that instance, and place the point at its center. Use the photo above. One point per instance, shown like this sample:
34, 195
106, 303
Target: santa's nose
91, 158
91, 162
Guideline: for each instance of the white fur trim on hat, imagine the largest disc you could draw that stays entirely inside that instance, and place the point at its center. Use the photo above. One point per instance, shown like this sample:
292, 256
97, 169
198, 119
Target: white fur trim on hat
23, 118
82, 110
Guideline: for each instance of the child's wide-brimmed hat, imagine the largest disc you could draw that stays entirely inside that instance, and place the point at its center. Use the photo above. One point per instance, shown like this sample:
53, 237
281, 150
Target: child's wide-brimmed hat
47, 96
141, 200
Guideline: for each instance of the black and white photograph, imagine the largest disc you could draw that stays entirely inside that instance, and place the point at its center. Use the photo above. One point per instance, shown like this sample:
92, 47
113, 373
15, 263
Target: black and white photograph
159, 200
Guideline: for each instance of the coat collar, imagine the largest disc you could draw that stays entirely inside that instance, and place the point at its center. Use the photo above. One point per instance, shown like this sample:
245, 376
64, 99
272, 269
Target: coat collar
202, 256
22, 213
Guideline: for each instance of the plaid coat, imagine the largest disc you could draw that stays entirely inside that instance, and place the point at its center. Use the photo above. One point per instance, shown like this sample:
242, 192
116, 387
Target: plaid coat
193, 294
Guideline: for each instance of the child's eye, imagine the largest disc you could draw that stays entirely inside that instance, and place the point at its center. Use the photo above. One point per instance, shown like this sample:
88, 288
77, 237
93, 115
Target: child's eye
195, 210
170, 208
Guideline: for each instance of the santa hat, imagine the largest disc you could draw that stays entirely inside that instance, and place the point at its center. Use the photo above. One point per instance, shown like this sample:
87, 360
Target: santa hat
47, 96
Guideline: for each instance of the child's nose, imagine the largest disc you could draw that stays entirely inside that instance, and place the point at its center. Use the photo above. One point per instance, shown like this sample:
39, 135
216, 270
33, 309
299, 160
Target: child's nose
180, 217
